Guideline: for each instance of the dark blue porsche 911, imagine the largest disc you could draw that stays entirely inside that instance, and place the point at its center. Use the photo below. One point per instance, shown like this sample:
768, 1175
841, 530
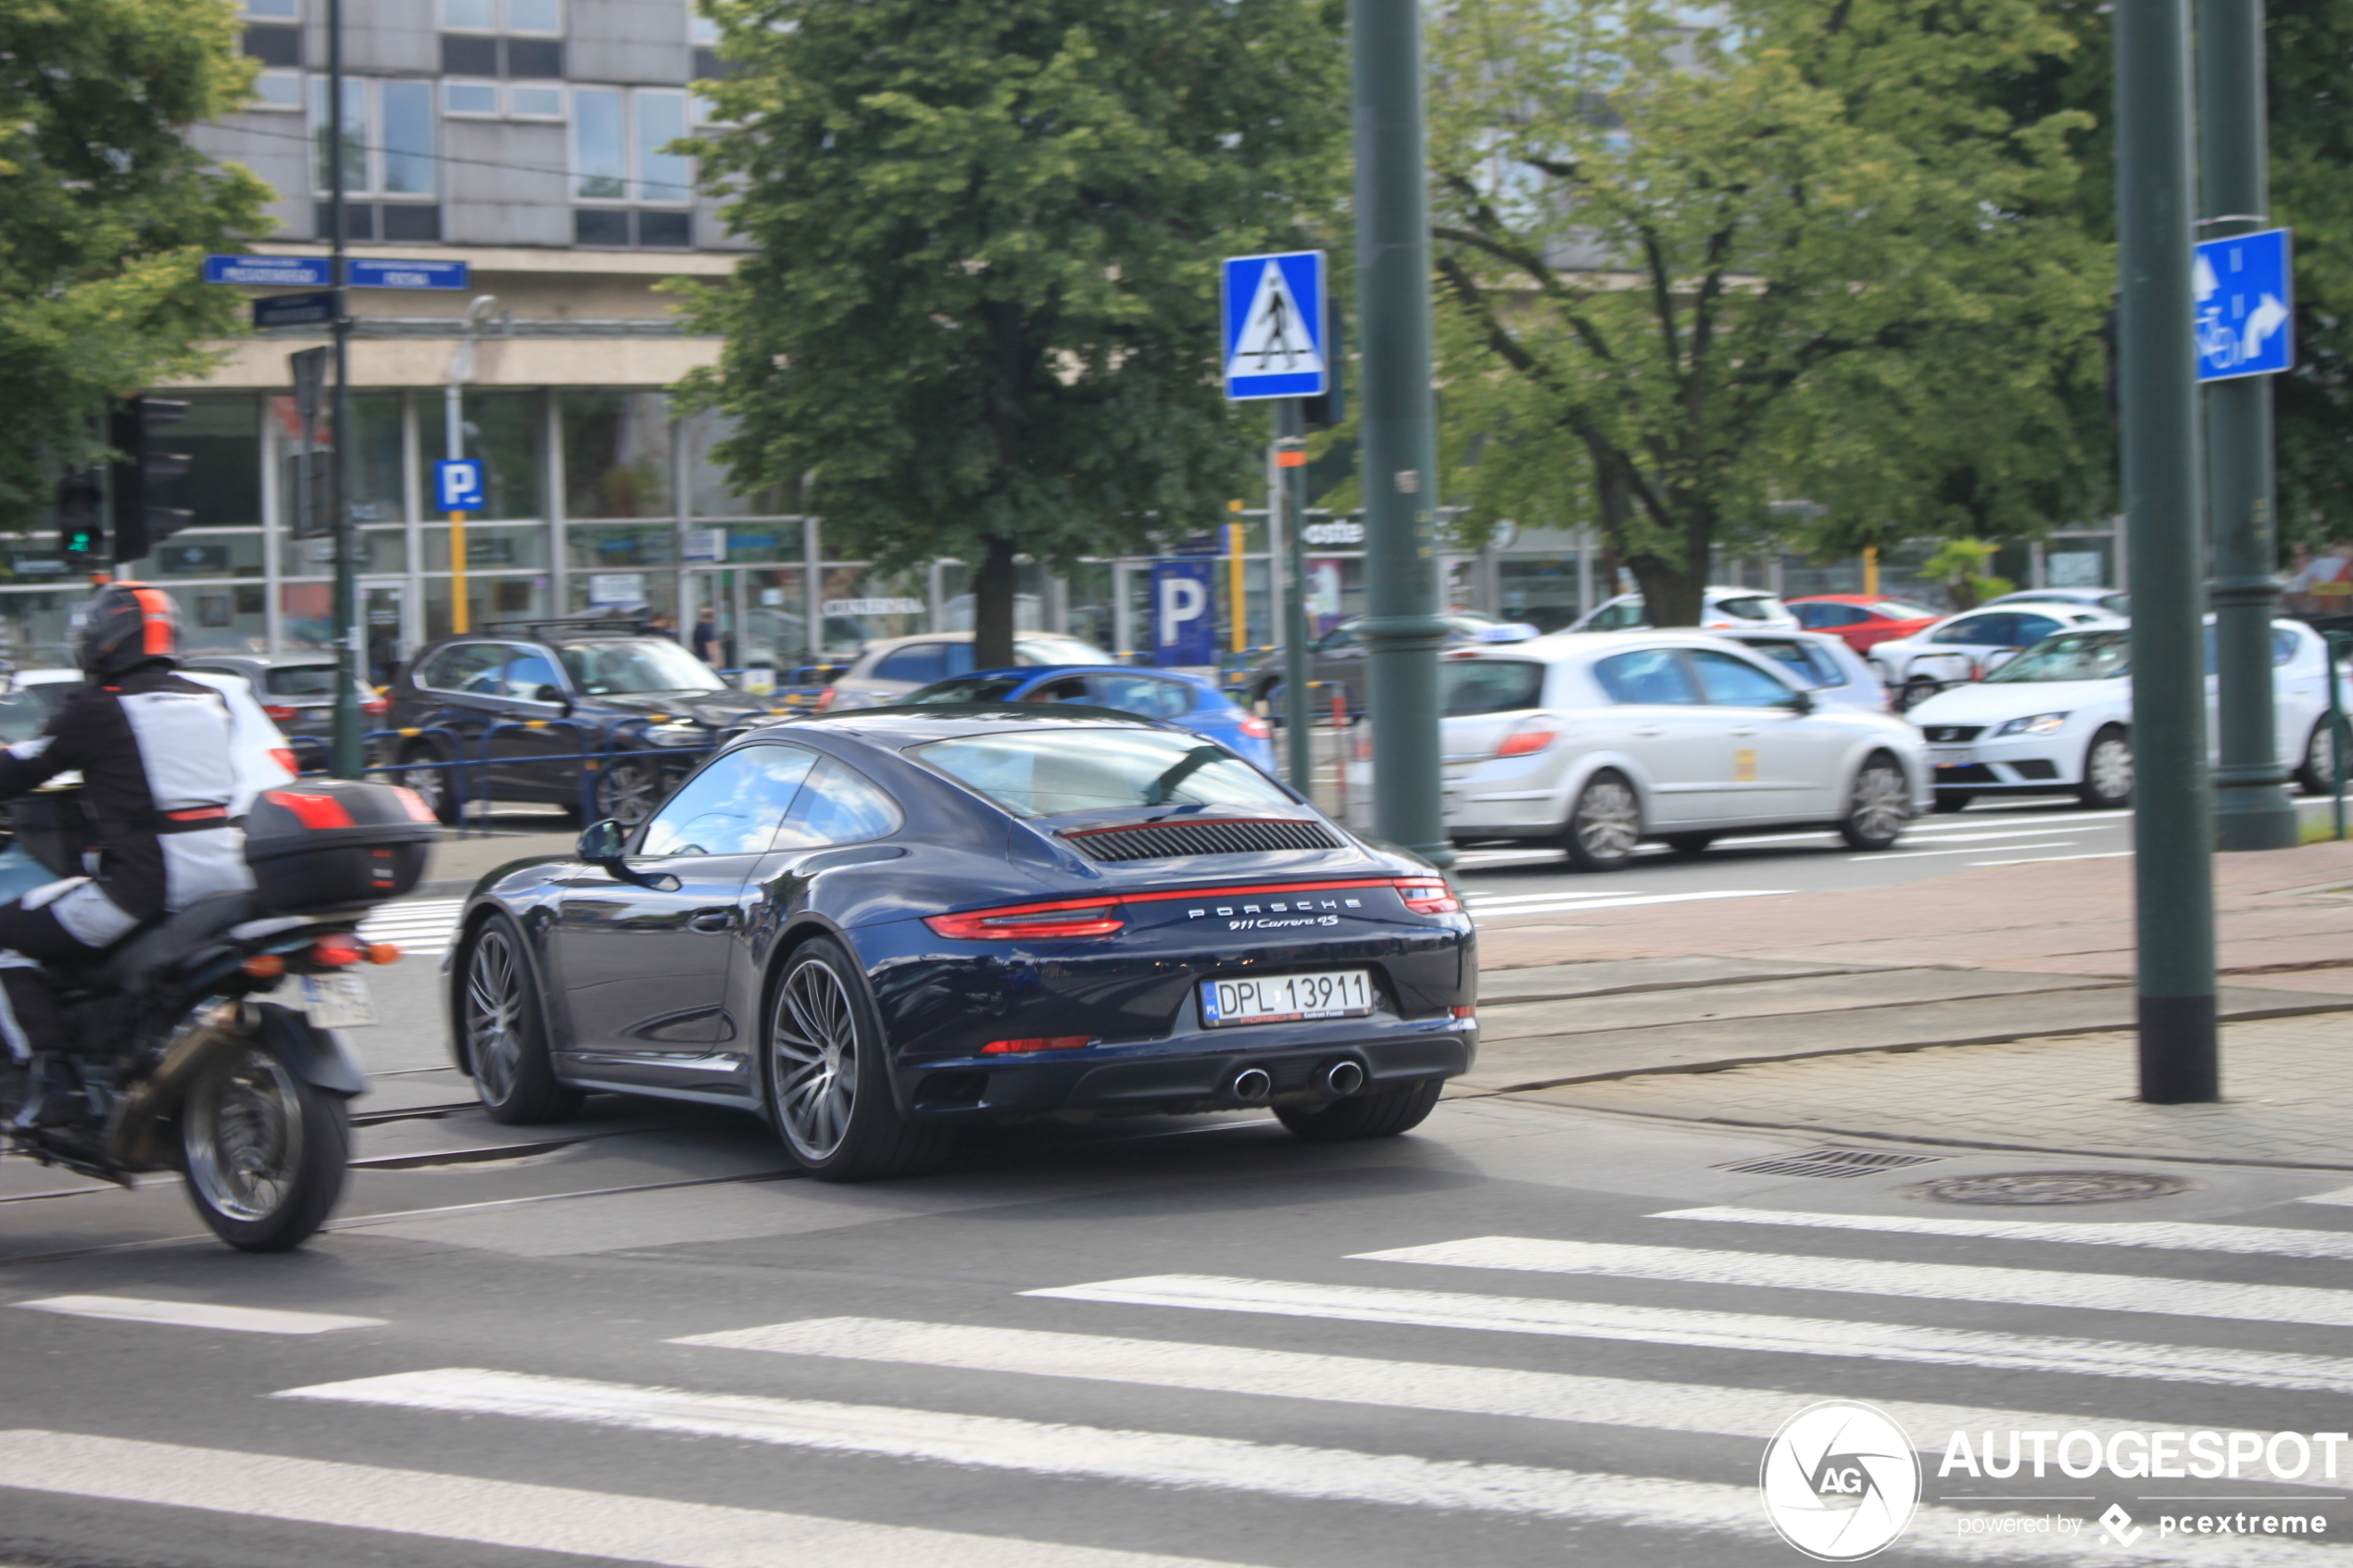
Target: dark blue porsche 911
876, 927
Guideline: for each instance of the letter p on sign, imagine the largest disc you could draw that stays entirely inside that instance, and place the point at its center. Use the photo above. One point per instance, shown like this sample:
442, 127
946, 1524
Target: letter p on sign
458, 484
1181, 599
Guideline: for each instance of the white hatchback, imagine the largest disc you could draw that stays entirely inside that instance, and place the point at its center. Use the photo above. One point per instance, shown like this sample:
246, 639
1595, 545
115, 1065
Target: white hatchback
2059, 718
1965, 647
1598, 740
1719, 608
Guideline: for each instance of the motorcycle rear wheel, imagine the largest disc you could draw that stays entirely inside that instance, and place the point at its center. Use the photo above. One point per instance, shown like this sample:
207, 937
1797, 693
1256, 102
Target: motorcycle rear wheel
263, 1150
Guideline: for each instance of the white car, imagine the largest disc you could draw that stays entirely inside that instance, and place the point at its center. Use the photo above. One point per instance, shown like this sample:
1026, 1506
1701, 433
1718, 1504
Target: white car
1821, 663
889, 669
1597, 740
265, 758
1719, 607
2059, 718
1966, 646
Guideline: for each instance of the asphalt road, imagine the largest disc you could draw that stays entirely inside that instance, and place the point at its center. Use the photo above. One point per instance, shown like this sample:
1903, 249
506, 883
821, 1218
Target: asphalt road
1521, 1335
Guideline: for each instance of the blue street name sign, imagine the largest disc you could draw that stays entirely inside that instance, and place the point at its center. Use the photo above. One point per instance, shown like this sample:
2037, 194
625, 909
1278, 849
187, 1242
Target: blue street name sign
363, 274
297, 310
2246, 315
457, 484
1274, 334
268, 271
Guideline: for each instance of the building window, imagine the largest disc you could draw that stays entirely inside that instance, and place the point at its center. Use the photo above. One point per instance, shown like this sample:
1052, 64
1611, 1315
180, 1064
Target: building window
274, 45
469, 99
274, 10
387, 146
616, 454
700, 29
536, 103
613, 226
618, 141
536, 57
502, 15
279, 91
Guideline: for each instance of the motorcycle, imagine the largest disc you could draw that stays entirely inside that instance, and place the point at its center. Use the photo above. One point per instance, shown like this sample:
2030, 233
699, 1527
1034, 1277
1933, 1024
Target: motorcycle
211, 1043
174, 1060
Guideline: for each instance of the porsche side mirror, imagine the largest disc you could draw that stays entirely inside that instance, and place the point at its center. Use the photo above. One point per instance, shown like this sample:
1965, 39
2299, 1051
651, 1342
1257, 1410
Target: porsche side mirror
600, 844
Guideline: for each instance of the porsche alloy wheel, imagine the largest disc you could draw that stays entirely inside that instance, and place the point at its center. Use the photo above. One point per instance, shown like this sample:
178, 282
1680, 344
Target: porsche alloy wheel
828, 1084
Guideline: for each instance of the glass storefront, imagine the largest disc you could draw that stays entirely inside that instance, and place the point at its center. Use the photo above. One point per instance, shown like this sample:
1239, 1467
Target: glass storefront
584, 490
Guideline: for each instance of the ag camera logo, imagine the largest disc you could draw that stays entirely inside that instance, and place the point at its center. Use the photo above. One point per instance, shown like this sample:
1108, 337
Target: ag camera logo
1839, 1481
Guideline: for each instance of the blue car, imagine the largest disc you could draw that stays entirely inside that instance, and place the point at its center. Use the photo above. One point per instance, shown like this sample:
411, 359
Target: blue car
1189, 701
879, 926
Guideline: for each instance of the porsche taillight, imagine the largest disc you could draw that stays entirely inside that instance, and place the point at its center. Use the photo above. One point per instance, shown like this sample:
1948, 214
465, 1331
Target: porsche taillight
1013, 921
1430, 897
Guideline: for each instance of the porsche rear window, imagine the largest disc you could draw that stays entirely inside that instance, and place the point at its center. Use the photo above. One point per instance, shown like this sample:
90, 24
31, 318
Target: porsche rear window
1045, 773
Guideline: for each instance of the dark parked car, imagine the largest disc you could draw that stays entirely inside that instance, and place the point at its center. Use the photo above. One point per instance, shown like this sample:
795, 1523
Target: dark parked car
297, 691
1338, 659
873, 928
611, 683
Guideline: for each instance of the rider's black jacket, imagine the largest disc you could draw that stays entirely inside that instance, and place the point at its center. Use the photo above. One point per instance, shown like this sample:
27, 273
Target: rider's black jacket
159, 776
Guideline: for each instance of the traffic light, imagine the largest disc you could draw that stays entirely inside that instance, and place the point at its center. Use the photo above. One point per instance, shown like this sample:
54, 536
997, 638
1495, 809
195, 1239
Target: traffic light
80, 531
139, 527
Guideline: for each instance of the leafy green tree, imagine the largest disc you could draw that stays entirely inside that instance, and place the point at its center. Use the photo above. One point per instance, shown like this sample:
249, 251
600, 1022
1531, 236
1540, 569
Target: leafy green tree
1802, 252
982, 309
104, 209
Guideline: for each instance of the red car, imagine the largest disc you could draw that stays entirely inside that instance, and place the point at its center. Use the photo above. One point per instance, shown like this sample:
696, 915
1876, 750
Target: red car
1862, 620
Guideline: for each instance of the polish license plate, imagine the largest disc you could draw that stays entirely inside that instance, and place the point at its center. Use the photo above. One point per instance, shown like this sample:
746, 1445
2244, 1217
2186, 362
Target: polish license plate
1952, 756
1338, 992
337, 1001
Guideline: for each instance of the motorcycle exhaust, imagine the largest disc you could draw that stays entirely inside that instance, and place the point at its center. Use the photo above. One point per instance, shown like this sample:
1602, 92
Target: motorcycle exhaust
1250, 1085
143, 1117
1343, 1079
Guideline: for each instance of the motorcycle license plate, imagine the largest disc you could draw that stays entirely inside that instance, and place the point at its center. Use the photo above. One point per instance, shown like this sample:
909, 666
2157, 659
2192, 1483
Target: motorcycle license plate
1338, 992
337, 1001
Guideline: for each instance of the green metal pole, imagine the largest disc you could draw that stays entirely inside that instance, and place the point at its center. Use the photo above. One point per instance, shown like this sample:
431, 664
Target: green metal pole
344, 757
2251, 805
1399, 425
1291, 424
2172, 818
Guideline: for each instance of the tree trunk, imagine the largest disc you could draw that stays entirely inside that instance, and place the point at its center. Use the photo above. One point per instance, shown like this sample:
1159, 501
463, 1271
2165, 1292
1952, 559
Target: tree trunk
1671, 593
993, 607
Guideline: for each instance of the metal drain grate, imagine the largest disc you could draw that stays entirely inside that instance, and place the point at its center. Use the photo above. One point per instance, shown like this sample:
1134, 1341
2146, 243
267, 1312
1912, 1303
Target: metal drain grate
1827, 1162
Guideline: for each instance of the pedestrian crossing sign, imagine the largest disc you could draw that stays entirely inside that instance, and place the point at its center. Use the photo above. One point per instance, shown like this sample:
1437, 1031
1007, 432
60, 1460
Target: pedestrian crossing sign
1275, 326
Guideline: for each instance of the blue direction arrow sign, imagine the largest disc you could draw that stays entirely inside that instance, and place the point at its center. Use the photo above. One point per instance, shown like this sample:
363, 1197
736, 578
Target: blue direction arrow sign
363, 274
457, 484
270, 272
1275, 328
2245, 317
297, 310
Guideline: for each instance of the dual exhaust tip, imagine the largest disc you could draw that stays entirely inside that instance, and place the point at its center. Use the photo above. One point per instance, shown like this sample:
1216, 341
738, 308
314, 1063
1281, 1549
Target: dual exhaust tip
1252, 1084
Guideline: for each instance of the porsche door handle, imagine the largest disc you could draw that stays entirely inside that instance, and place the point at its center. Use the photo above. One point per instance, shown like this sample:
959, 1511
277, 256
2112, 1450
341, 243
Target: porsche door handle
713, 920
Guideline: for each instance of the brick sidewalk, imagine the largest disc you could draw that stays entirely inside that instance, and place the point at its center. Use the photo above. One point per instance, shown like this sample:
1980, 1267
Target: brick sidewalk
2277, 924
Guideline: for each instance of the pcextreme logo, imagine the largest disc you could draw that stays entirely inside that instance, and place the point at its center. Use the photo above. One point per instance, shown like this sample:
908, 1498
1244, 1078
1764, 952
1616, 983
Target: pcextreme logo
1839, 1481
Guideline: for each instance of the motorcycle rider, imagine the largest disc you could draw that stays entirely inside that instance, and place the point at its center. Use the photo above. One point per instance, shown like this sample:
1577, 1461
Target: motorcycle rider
159, 776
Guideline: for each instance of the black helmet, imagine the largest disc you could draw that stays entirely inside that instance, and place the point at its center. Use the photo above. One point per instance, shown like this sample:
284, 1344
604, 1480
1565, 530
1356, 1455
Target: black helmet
123, 625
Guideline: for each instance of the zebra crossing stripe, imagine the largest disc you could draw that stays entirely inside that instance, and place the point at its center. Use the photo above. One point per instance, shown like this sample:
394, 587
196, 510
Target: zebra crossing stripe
2266, 1241
1700, 1409
195, 1315
1164, 1458
1873, 1276
1232, 1464
1728, 1331
507, 1514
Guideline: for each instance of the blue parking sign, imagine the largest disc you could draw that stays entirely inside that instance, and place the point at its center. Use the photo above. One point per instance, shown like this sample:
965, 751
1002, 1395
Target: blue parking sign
1275, 328
1184, 614
2246, 313
457, 484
